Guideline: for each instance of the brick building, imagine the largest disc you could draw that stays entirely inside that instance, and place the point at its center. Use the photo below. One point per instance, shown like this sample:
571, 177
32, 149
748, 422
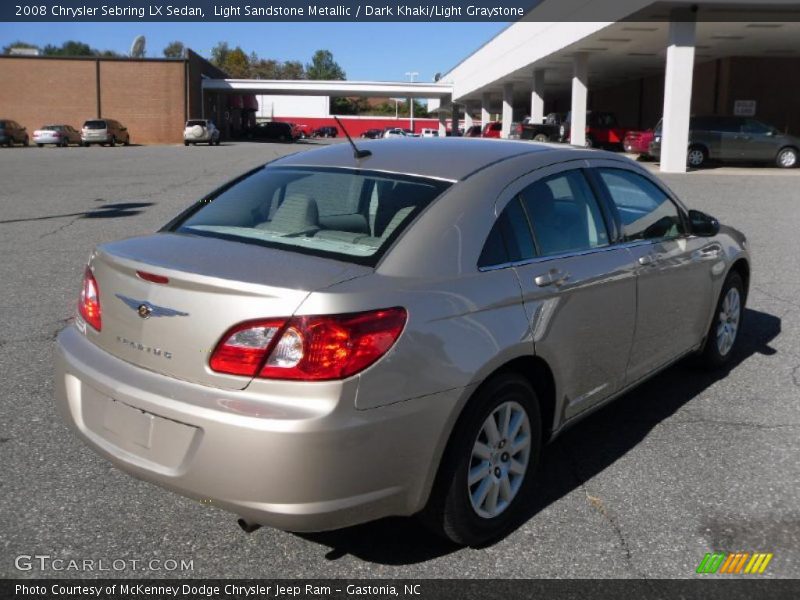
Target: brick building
152, 97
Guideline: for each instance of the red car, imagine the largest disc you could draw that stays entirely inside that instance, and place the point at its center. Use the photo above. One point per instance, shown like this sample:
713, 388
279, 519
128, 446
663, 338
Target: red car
492, 129
638, 142
602, 130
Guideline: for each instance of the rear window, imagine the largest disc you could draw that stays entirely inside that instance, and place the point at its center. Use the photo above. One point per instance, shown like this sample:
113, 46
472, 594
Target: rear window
336, 213
95, 125
3, 125
193, 123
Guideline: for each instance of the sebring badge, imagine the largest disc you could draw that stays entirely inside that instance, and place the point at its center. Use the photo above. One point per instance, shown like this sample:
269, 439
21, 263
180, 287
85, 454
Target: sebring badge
146, 310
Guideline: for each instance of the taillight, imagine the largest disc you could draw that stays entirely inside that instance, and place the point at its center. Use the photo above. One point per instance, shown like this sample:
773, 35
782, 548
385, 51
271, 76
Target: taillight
89, 303
315, 348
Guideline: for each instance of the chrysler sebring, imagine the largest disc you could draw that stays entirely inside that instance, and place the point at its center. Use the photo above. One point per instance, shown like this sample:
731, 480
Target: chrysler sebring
339, 336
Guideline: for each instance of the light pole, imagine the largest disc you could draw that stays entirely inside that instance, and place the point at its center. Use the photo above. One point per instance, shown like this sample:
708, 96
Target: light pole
411, 75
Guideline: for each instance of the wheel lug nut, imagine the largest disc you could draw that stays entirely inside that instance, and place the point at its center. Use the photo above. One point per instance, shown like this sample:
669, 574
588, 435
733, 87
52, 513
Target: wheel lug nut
504, 457
497, 471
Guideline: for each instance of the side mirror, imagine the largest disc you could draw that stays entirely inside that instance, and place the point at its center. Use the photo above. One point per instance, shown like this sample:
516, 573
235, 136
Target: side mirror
702, 224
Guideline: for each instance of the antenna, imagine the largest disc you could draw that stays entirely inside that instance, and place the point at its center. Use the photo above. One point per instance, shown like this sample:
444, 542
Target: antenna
137, 48
356, 152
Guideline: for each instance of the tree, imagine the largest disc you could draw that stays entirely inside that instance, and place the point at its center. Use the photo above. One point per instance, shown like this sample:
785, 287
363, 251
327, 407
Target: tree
219, 54
237, 65
174, 49
262, 68
19, 44
293, 69
323, 66
70, 48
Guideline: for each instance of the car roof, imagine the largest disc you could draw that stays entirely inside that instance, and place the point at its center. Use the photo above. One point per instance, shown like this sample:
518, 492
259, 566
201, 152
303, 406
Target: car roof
451, 158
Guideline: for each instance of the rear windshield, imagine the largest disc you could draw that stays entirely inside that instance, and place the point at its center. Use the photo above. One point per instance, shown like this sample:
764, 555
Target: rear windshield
193, 123
343, 214
53, 128
95, 124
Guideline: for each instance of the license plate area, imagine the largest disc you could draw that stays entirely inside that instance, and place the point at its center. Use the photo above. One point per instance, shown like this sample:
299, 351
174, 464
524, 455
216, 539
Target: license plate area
129, 423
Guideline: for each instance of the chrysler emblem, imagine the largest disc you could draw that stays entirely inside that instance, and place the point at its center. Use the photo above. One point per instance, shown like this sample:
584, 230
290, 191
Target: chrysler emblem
146, 310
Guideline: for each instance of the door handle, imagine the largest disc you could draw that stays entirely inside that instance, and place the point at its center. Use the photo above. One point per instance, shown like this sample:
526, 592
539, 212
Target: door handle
554, 277
648, 260
712, 251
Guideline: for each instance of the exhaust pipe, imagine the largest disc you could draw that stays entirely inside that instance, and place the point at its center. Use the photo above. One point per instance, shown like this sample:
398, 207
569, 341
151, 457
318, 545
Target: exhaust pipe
247, 526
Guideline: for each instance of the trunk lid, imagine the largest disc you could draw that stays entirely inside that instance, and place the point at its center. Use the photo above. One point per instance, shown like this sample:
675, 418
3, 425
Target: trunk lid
212, 285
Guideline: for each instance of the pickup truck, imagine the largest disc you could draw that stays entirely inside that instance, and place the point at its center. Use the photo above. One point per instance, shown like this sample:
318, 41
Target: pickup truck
548, 131
602, 130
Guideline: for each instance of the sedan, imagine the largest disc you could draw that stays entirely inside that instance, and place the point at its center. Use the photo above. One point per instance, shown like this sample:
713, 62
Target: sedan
336, 337
60, 135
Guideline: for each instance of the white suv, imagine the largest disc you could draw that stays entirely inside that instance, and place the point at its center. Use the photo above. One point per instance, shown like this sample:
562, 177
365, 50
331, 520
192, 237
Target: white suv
200, 131
429, 133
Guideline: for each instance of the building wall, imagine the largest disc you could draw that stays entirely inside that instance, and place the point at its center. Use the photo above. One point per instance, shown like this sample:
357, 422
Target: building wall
36, 92
270, 106
774, 83
151, 97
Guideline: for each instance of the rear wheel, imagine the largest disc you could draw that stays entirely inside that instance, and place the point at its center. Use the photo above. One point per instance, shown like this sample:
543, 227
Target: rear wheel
540, 137
787, 158
696, 157
186, 144
486, 476
39, 145
726, 324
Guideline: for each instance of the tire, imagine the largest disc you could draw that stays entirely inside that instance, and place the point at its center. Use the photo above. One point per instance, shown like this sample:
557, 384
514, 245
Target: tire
455, 509
696, 157
786, 158
26, 141
186, 144
540, 137
726, 325
588, 142
40, 145
113, 141
85, 144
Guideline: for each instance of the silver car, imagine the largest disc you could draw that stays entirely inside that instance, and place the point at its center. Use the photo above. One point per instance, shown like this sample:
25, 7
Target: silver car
104, 131
60, 135
329, 339
199, 131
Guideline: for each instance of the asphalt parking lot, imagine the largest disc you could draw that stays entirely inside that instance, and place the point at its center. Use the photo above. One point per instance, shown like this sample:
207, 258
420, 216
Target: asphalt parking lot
689, 463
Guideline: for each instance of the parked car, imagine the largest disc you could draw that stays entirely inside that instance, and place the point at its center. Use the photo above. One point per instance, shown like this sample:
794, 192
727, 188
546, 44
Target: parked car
274, 130
515, 132
638, 142
325, 132
60, 135
104, 131
547, 131
735, 139
473, 131
396, 132
492, 129
428, 132
201, 131
602, 130
303, 130
372, 134
310, 360
12, 133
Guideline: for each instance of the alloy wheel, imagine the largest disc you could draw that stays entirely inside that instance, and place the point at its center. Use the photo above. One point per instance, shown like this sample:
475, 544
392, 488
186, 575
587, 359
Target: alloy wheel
499, 460
696, 157
787, 158
728, 324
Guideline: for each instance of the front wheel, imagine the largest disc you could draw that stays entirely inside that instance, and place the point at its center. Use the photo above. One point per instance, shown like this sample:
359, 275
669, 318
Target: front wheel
113, 142
696, 157
726, 324
485, 479
787, 158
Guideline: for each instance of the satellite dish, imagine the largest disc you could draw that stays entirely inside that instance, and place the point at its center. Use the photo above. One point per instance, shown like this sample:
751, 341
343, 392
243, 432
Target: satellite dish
137, 48
437, 77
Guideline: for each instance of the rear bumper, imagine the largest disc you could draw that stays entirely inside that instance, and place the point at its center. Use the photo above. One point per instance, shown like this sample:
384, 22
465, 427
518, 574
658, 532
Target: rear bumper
95, 139
298, 463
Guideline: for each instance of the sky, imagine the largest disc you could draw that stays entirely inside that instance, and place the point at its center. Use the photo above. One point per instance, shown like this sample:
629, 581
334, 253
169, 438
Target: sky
366, 51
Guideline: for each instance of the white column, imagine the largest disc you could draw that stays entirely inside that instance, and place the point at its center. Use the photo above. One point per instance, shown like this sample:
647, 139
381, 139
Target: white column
580, 86
442, 123
677, 94
468, 121
508, 109
485, 108
537, 96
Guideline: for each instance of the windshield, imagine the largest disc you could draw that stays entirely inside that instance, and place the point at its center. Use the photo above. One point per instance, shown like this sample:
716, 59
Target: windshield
348, 215
95, 125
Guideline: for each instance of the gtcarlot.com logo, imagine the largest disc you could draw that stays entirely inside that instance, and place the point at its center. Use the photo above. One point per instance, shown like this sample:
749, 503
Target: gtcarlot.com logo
45, 562
735, 563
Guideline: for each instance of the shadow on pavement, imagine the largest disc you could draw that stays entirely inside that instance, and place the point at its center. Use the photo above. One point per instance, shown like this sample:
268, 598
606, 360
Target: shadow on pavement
107, 211
572, 459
